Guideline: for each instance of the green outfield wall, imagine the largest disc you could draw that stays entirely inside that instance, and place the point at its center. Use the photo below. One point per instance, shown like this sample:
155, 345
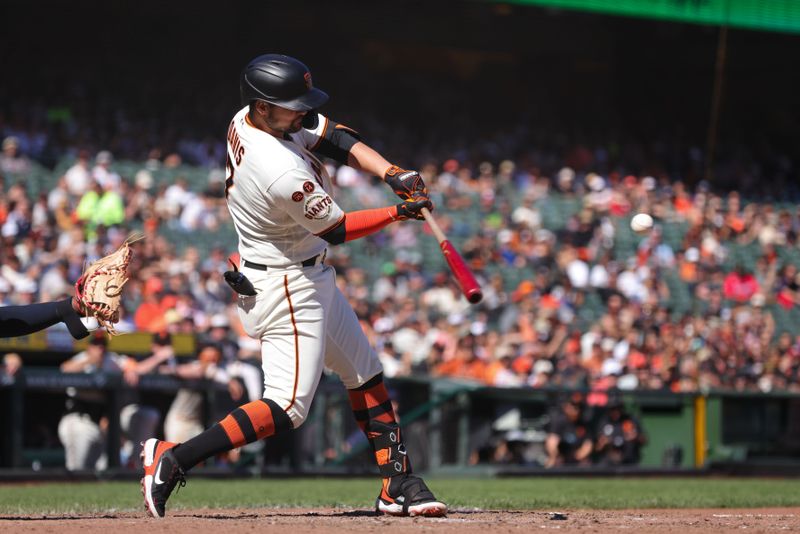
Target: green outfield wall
448, 424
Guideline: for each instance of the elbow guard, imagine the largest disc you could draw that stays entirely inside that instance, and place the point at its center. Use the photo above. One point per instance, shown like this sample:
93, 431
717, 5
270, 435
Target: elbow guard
336, 142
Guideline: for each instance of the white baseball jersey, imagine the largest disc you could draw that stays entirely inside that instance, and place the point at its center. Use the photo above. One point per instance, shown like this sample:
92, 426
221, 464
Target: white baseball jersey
278, 193
280, 199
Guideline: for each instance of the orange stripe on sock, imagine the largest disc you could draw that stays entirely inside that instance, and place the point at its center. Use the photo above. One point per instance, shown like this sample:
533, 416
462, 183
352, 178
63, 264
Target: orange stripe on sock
261, 417
376, 396
386, 417
357, 400
232, 430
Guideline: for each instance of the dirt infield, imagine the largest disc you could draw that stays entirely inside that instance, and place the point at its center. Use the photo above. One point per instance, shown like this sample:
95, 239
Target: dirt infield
335, 521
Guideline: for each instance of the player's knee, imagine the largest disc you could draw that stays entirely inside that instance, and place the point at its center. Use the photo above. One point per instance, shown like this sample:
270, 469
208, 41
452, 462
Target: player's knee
297, 415
287, 419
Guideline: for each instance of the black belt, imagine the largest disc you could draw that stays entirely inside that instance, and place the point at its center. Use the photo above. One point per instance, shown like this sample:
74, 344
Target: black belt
310, 262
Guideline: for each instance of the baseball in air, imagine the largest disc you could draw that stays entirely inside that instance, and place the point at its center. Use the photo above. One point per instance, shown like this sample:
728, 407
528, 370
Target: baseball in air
641, 222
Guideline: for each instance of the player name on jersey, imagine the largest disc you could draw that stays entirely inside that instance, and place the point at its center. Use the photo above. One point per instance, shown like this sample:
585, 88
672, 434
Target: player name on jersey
235, 143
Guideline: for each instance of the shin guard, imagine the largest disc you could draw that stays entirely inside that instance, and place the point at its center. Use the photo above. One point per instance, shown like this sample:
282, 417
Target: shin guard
373, 410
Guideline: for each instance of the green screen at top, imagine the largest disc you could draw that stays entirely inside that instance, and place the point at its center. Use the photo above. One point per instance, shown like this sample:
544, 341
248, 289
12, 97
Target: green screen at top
773, 15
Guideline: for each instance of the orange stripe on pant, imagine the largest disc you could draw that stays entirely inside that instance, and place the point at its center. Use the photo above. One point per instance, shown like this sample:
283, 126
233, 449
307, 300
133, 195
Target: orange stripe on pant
296, 343
261, 417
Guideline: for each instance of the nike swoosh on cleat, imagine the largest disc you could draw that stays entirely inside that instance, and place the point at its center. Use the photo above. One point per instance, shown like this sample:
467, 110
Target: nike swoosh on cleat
157, 478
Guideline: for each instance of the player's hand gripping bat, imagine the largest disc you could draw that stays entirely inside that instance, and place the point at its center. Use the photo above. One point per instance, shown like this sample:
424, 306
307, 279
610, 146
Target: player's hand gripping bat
464, 277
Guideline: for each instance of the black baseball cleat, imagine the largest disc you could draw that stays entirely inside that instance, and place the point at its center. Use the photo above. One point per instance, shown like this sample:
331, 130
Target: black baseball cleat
161, 474
406, 495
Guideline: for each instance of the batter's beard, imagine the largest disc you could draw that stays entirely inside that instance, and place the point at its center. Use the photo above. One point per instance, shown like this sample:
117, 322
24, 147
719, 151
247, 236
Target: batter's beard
290, 129
294, 129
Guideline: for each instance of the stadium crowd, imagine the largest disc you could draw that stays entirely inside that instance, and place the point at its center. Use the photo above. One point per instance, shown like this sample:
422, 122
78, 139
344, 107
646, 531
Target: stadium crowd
566, 304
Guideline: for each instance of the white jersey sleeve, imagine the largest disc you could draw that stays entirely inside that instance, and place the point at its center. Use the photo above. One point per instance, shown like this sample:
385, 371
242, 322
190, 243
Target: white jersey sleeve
311, 139
298, 193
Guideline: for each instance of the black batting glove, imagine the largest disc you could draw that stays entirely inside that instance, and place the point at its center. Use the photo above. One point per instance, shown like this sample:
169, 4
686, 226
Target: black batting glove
407, 185
413, 209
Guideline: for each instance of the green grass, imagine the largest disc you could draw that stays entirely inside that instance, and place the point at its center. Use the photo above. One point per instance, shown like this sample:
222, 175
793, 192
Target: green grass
511, 494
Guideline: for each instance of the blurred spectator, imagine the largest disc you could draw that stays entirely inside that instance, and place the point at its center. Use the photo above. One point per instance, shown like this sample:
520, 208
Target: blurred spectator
102, 173
247, 371
466, 363
12, 363
18, 221
78, 179
185, 418
569, 438
619, 436
150, 316
54, 283
392, 362
101, 205
220, 335
740, 285
12, 162
199, 213
82, 429
176, 197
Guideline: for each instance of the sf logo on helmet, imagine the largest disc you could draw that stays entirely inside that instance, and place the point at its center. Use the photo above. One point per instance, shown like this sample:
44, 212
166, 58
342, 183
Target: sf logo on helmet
307, 78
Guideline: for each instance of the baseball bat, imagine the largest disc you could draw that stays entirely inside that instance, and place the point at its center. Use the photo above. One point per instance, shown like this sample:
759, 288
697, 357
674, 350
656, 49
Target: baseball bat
466, 280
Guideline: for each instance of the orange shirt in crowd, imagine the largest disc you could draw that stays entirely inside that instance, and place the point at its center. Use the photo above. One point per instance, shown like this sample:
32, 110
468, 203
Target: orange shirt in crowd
688, 271
149, 316
474, 369
492, 370
682, 204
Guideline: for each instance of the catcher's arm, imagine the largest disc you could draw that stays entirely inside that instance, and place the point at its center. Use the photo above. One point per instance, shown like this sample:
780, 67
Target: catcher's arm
23, 320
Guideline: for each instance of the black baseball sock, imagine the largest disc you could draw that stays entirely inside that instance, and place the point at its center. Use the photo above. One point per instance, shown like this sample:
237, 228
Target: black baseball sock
251, 422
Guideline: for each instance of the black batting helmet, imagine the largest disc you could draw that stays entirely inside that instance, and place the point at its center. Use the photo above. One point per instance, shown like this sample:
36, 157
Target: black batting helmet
280, 80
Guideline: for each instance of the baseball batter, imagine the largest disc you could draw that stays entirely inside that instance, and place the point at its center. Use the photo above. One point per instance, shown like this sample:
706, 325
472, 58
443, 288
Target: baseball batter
280, 199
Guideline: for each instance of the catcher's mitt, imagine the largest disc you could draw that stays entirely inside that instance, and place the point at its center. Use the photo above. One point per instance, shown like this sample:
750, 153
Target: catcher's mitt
99, 289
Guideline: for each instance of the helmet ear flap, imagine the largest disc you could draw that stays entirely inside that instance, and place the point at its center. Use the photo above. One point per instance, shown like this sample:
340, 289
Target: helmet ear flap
311, 120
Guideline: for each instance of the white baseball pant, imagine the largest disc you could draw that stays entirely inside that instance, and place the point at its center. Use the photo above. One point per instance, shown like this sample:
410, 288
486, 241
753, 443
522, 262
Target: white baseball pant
304, 324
